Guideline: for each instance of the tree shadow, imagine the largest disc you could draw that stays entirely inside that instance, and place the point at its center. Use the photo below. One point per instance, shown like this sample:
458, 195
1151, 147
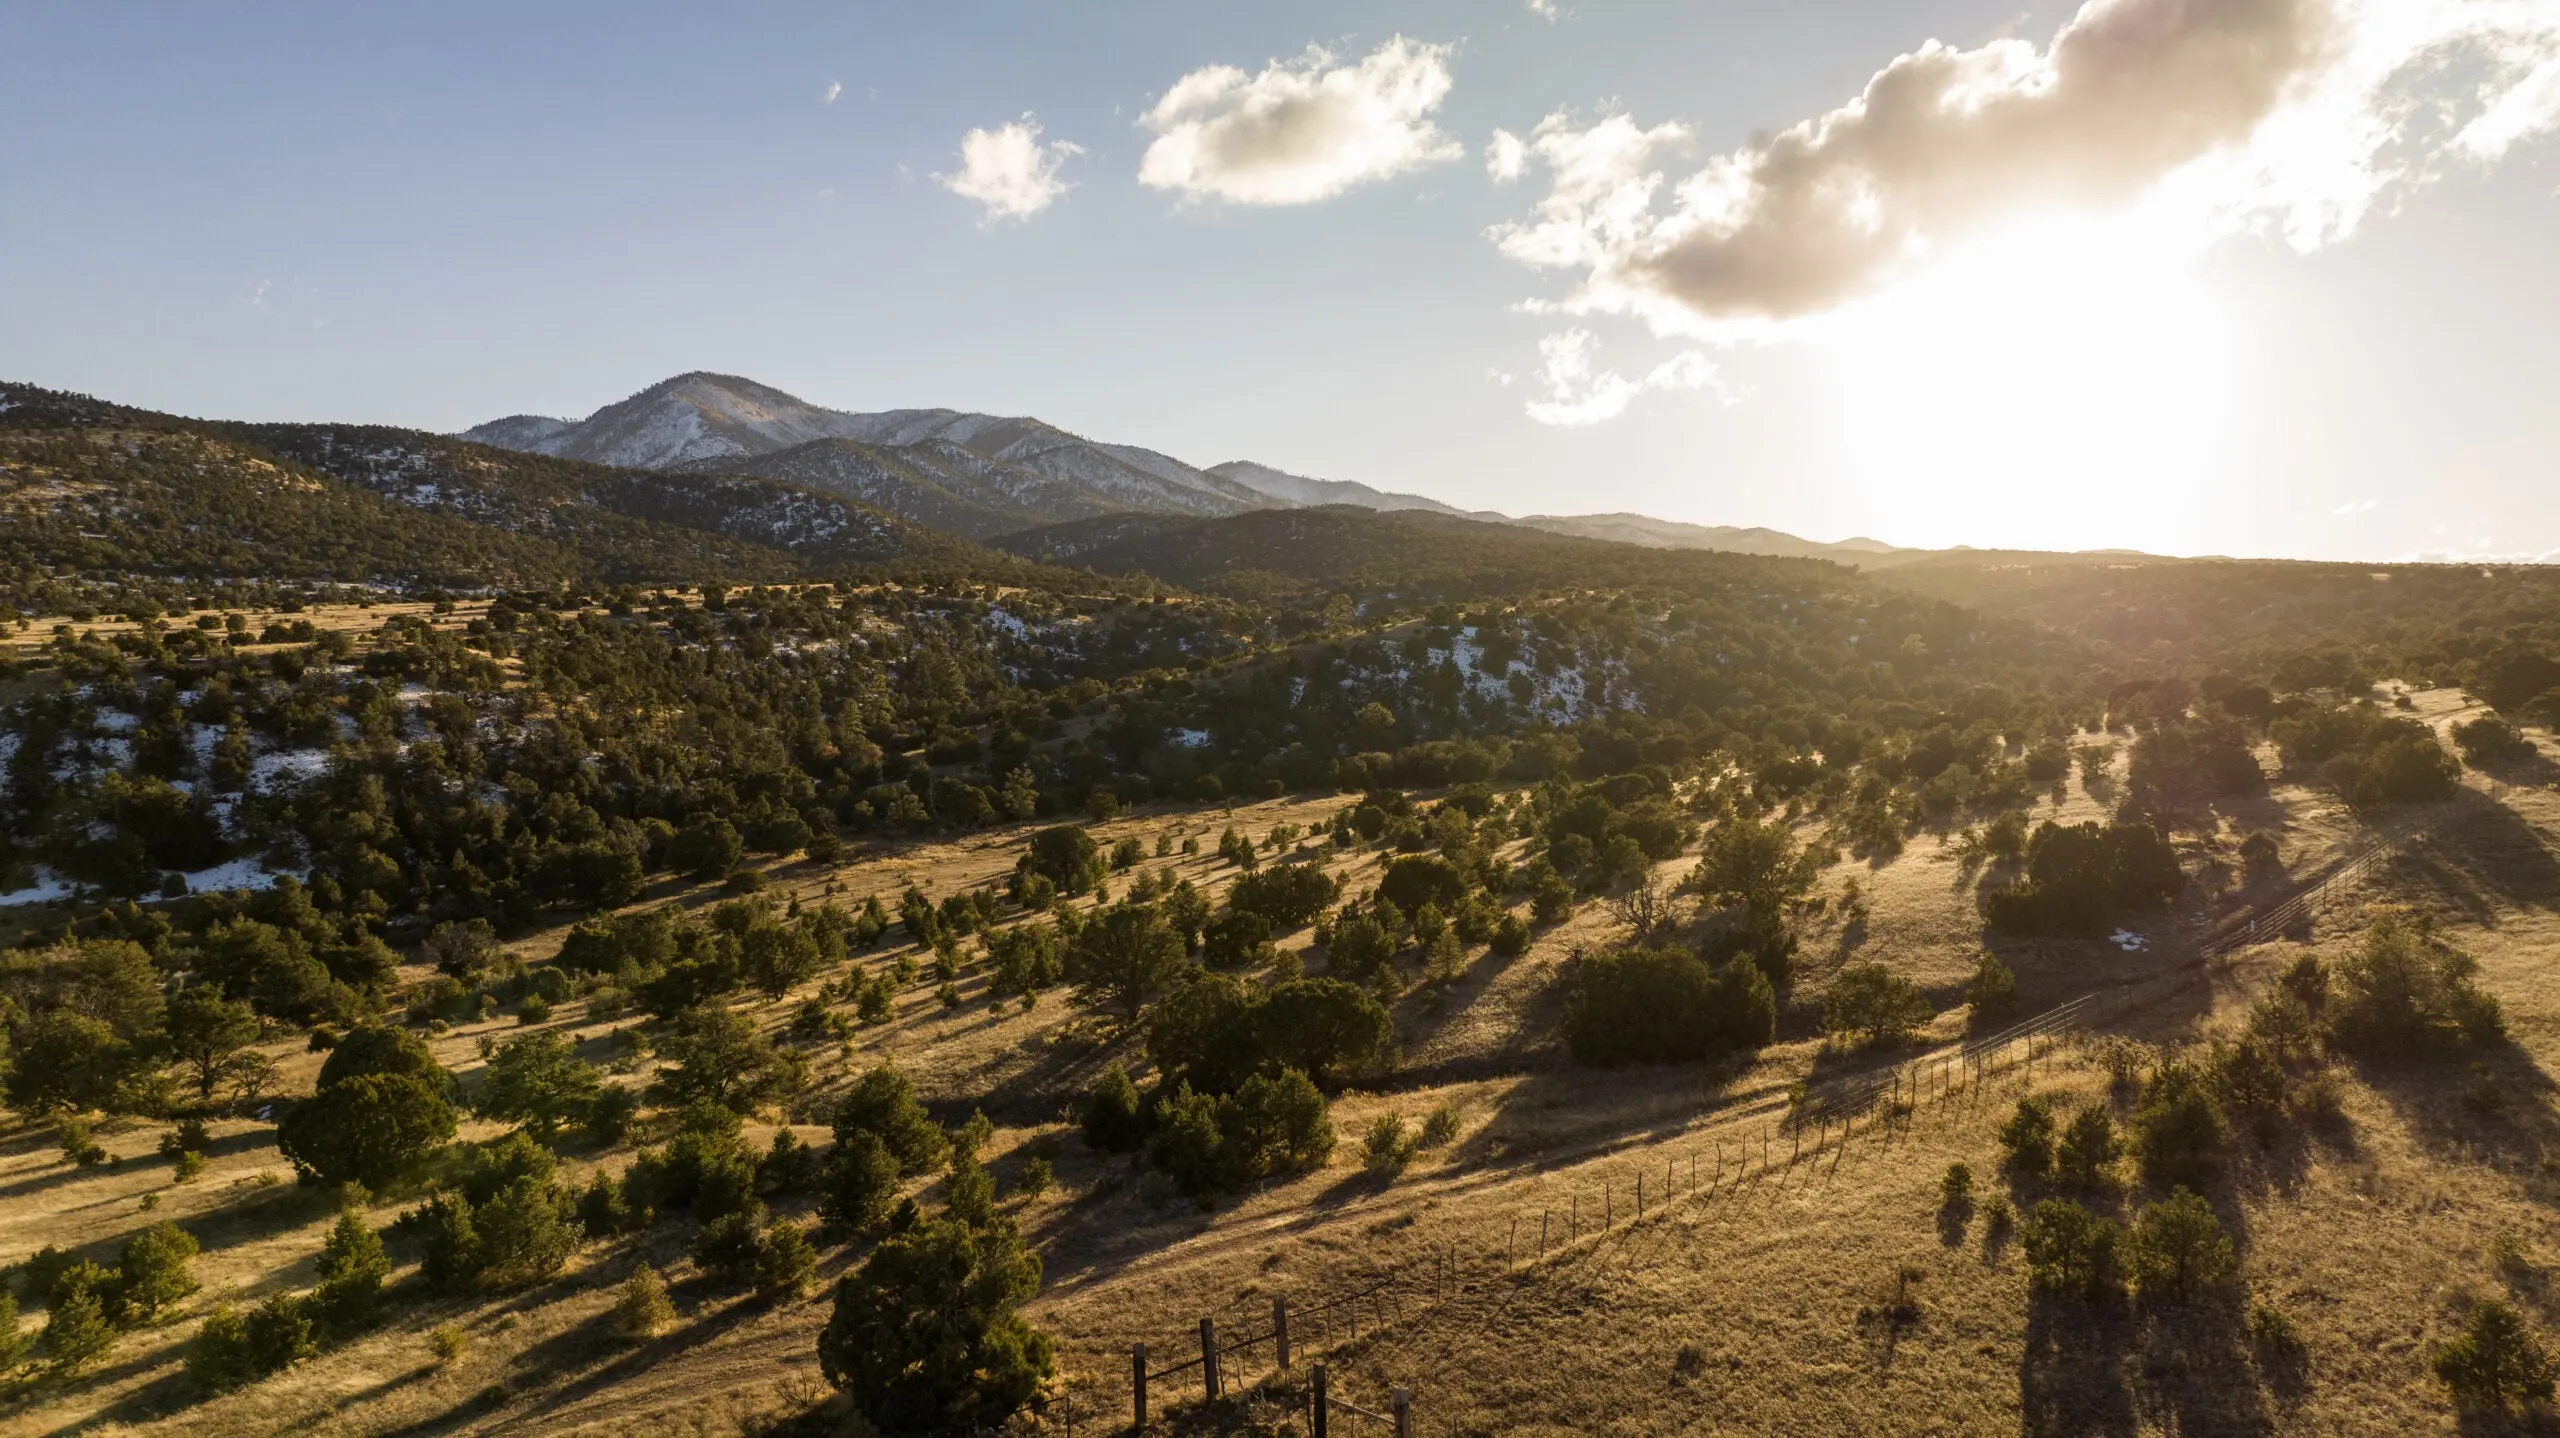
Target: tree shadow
2071, 1374
2485, 855
2493, 1105
2196, 1376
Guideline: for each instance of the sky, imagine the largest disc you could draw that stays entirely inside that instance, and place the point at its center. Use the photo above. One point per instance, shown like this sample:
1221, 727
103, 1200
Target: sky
2251, 277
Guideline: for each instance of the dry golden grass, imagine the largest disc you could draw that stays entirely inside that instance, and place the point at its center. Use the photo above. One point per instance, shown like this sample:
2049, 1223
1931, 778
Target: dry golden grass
1740, 1312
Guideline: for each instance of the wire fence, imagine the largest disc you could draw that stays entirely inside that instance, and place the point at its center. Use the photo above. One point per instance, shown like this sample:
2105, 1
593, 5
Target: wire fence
1759, 1146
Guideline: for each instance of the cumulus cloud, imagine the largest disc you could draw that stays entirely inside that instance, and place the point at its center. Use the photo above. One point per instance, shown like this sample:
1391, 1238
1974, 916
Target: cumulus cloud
1579, 392
1010, 170
1301, 130
2356, 506
1506, 158
1545, 8
834, 88
2207, 117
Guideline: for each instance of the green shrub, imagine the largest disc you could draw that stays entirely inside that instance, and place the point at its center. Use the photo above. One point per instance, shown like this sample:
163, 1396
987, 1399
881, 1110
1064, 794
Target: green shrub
926, 1336
1664, 1006
2494, 1364
643, 1309
2178, 1248
2071, 1250
785, 1264
2026, 1141
2089, 1149
1388, 1149
1113, 1120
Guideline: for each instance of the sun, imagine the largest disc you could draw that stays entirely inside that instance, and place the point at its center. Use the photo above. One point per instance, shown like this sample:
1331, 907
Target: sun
2061, 385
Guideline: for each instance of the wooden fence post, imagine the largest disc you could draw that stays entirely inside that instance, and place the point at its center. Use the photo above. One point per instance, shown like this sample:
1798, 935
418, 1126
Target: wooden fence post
1323, 1404
1209, 1357
1280, 1329
1138, 1386
1542, 1233
1639, 1193
1404, 1414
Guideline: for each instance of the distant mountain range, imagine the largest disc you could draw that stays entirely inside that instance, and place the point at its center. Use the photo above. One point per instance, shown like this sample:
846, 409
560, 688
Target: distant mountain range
979, 476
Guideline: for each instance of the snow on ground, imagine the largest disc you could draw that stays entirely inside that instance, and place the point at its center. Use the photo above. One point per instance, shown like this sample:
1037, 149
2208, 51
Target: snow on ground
292, 766
48, 888
238, 874
118, 721
1191, 738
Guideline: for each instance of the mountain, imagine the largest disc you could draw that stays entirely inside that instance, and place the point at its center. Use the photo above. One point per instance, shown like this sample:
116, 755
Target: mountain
975, 474
1654, 533
102, 487
1298, 489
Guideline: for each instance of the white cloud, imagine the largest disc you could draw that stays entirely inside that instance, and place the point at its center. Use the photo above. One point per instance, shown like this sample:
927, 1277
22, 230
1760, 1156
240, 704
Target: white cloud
2356, 506
834, 89
1009, 170
1506, 158
1546, 8
1302, 130
2201, 118
1580, 393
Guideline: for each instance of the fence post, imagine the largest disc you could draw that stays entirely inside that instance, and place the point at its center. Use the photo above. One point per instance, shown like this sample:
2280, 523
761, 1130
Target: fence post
1404, 1414
1608, 1204
1138, 1386
1323, 1403
1542, 1233
1280, 1329
1512, 1243
1209, 1357
1639, 1193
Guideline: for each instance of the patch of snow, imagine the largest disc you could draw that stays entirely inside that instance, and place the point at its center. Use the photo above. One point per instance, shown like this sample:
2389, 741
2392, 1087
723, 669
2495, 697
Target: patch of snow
292, 766
1191, 738
118, 721
48, 888
238, 874
2129, 941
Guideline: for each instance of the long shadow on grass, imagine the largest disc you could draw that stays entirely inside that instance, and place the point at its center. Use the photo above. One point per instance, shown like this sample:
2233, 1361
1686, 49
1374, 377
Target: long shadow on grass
2483, 855
2071, 1376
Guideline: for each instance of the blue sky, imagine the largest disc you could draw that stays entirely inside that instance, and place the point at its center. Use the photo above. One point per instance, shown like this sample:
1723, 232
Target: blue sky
435, 215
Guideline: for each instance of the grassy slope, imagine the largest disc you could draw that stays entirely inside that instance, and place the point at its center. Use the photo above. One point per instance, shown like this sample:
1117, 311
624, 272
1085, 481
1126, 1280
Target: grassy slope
2370, 1240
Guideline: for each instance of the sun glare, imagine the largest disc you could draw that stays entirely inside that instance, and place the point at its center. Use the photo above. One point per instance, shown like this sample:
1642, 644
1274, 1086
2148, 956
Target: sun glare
2060, 386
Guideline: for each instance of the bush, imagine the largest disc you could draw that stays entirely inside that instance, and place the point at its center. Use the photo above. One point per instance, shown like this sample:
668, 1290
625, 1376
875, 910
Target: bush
1873, 1003
1992, 992
1114, 1121
643, 1309
1510, 937
152, 1273
2071, 1250
352, 1269
2179, 1249
2490, 742
785, 1264
1664, 1006
1287, 896
883, 1103
2026, 1141
1034, 1177
371, 1129
1216, 1034
2494, 1364
76, 1331
2088, 1152
926, 1336
1066, 856
858, 1182
2178, 1128
2081, 880
1387, 1149
726, 1247
2404, 992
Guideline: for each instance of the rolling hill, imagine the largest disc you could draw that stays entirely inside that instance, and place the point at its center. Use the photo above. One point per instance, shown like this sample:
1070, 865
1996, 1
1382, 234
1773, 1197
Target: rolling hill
94, 485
